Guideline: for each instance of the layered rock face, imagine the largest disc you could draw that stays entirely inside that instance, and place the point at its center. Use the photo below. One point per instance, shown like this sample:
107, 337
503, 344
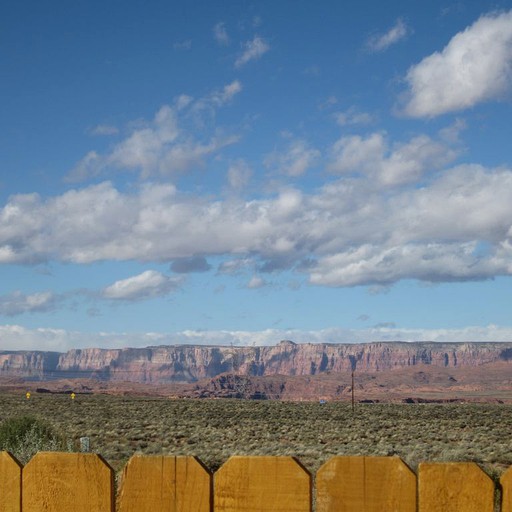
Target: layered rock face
185, 363
32, 365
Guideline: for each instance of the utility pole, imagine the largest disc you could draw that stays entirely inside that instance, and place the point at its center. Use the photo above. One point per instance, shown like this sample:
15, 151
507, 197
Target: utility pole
353, 404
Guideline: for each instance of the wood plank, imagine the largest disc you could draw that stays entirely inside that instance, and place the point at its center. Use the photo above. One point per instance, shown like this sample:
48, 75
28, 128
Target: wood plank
278, 484
454, 487
10, 483
165, 484
365, 484
506, 488
65, 482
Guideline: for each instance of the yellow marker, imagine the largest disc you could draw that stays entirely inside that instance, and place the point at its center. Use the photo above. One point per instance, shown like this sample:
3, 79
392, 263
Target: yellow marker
73, 396
28, 395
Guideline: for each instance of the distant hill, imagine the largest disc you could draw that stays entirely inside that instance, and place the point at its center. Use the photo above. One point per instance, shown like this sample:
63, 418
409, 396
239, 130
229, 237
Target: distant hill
384, 371
189, 364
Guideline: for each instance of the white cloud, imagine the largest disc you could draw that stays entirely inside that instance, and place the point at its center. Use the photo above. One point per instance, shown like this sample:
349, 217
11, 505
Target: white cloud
369, 264
353, 117
407, 162
235, 267
256, 282
475, 66
15, 337
253, 50
17, 303
295, 160
88, 167
220, 34
182, 101
190, 154
381, 42
357, 154
147, 285
451, 134
220, 98
456, 226
162, 146
403, 163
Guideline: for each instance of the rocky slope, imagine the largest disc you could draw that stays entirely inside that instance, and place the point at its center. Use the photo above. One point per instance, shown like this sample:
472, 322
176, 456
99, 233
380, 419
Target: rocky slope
185, 363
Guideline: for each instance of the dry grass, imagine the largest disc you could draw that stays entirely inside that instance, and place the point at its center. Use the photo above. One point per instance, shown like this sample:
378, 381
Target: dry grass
215, 429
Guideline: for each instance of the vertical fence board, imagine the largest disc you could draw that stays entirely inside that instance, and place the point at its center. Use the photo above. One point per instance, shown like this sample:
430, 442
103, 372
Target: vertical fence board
10, 483
277, 484
67, 482
454, 487
506, 486
365, 484
165, 484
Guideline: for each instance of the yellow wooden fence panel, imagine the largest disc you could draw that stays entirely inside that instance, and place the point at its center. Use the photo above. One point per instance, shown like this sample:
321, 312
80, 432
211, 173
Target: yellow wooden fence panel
165, 484
506, 485
278, 484
67, 482
10, 483
365, 484
74, 482
454, 487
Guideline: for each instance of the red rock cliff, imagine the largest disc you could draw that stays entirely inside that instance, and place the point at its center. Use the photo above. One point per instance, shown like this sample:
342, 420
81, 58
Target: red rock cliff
185, 363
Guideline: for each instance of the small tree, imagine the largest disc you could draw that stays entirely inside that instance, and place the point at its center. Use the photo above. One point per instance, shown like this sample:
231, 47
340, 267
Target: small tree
24, 436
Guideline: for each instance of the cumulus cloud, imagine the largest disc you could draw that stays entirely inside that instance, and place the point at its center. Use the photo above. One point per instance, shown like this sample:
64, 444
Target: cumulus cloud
474, 67
381, 42
15, 337
253, 50
163, 146
403, 163
147, 285
220, 34
17, 303
455, 226
295, 160
369, 264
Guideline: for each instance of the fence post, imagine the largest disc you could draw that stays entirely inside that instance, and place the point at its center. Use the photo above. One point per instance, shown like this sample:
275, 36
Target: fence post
278, 484
85, 444
365, 484
65, 482
165, 484
10, 483
506, 487
454, 487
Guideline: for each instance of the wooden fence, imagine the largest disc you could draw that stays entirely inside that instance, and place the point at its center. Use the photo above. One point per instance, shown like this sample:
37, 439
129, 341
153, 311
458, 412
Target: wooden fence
77, 482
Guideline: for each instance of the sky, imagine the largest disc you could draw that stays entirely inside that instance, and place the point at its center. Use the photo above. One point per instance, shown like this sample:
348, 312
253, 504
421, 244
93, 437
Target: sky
239, 172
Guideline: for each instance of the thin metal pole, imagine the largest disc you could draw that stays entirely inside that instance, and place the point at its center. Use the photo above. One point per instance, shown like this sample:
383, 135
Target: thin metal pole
353, 405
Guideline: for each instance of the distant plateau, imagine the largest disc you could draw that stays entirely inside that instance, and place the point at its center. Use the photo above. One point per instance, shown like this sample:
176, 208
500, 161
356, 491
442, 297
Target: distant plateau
383, 371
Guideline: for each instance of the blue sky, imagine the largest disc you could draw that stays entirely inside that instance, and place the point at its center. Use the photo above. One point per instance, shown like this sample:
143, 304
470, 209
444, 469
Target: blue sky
243, 172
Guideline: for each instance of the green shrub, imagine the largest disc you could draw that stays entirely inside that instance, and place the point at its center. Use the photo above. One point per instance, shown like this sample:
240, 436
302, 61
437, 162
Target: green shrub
24, 436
